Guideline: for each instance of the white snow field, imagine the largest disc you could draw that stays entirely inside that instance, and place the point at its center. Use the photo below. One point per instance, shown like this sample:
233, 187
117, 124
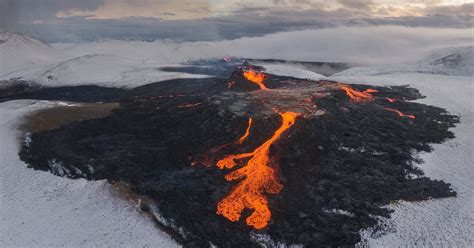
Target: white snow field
38, 209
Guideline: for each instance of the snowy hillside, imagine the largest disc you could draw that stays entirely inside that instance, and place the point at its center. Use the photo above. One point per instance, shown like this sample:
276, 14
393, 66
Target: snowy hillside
112, 64
454, 61
18, 51
99, 69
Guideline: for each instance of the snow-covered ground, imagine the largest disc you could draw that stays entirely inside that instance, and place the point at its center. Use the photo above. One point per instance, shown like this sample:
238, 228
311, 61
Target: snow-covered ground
38, 209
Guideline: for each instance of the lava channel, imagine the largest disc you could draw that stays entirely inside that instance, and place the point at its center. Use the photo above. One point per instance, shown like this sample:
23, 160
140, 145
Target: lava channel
246, 134
358, 96
257, 178
400, 114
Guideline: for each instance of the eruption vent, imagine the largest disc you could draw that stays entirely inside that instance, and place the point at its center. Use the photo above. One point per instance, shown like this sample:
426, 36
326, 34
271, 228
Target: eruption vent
257, 178
256, 78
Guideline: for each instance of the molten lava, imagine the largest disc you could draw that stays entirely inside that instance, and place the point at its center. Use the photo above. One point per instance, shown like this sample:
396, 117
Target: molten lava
246, 134
257, 178
256, 78
391, 100
358, 96
399, 113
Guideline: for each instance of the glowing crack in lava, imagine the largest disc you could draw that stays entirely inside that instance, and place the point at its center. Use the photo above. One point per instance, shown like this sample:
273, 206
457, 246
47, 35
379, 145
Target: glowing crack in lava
257, 178
190, 105
256, 78
246, 134
358, 96
399, 113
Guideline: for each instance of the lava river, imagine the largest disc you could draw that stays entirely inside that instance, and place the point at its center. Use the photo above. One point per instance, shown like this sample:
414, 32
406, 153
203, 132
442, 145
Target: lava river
258, 178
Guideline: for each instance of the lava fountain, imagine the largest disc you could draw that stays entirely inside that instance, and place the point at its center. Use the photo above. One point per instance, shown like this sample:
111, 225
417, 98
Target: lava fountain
257, 179
256, 78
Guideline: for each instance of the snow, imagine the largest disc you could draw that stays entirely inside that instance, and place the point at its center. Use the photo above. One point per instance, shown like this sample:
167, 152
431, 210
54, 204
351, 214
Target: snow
38, 209
443, 222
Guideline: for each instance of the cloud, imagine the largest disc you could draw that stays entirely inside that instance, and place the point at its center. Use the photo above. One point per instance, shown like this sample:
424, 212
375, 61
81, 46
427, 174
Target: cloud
160, 9
360, 45
88, 20
451, 10
16, 12
363, 45
360, 5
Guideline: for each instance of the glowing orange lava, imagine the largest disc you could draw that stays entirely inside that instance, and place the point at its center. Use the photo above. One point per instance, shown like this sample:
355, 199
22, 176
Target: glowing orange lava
358, 96
257, 178
399, 113
391, 100
246, 134
256, 77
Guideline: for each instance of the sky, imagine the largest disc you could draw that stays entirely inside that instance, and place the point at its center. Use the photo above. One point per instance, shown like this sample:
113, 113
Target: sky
198, 20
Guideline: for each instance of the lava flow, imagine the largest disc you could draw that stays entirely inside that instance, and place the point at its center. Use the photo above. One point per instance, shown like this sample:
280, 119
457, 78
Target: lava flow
399, 113
258, 178
256, 78
246, 134
358, 96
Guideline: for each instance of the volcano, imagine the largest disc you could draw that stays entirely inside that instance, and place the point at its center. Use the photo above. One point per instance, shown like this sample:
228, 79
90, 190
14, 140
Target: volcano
256, 158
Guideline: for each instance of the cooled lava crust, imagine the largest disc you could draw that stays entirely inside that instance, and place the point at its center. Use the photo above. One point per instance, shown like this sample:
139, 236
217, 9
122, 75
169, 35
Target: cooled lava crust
339, 164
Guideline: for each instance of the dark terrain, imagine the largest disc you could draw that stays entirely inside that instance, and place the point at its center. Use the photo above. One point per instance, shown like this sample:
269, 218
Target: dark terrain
166, 137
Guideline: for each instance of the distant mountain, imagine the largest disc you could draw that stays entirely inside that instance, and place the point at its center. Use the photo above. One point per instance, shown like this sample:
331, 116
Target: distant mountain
16, 39
19, 51
453, 57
